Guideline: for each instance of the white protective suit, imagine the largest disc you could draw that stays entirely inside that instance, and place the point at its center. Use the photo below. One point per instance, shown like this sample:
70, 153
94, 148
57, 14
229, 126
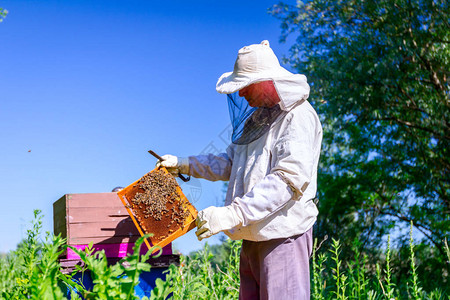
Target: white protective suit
272, 180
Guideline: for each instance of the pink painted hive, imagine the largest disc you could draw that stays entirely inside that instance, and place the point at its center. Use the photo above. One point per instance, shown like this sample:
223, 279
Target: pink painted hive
100, 218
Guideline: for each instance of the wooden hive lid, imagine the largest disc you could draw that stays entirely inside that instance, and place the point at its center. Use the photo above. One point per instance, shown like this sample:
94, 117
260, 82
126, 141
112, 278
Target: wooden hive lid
167, 218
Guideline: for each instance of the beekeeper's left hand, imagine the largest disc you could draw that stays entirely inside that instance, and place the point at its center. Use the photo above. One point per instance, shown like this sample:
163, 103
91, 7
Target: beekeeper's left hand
213, 220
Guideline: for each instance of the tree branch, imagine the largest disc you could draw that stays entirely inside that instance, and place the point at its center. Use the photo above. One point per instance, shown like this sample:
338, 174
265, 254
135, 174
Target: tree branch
411, 125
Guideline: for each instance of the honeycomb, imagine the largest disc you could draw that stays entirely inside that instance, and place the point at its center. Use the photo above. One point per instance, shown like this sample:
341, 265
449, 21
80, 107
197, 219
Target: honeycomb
159, 206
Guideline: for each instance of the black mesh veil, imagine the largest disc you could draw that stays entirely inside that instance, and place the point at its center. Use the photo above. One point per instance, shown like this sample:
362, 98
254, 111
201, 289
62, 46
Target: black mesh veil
249, 123
239, 112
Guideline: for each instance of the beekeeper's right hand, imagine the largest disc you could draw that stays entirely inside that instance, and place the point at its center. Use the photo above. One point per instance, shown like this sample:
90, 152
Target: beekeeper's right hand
175, 165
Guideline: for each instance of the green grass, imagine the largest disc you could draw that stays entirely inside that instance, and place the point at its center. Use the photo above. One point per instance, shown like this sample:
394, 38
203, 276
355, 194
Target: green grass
32, 271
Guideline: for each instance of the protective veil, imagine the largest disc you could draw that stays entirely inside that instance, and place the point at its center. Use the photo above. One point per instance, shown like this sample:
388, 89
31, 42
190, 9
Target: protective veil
250, 123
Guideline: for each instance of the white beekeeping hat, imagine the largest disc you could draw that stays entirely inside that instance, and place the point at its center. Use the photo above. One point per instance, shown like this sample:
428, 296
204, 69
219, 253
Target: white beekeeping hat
257, 63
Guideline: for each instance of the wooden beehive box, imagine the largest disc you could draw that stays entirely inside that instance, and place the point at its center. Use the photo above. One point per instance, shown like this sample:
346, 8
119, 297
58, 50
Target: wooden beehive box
100, 218
158, 206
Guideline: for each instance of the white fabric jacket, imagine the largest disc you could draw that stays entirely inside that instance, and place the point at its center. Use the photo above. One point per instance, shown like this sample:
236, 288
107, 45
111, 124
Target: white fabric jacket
272, 180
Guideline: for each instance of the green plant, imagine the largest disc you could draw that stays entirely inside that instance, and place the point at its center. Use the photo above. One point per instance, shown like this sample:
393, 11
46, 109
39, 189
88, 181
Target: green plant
198, 277
416, 290
117, 281
317, 267
389, 285
358, 280
339, 277
32, 271
447, 251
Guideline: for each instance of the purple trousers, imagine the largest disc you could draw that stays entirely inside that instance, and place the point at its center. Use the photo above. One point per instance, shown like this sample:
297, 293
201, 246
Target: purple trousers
276, 269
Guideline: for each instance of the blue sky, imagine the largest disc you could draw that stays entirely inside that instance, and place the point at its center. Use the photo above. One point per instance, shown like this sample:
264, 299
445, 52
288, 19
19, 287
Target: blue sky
87, 87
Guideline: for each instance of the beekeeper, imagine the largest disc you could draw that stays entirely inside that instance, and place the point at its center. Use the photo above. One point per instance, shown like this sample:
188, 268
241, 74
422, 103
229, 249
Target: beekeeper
271, 166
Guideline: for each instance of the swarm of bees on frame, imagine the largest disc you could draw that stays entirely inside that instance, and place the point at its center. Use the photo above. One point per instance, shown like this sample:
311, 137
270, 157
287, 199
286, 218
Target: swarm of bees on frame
159, 200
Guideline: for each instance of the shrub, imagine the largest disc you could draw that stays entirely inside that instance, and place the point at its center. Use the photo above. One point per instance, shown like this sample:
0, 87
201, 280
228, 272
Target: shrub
32, 271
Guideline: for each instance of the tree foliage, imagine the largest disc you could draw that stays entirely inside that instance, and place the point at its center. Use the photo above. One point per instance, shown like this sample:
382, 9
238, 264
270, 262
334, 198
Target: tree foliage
3, 13
379, 72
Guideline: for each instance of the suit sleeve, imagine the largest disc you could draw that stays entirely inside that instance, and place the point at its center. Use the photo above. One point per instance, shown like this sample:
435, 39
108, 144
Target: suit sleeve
212, 167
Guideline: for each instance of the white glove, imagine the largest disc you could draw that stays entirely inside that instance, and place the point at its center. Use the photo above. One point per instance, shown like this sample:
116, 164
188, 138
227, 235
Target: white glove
213, 219
175, 165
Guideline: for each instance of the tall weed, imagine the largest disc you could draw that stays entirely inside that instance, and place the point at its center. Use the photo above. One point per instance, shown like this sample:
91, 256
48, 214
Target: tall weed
198, 278
32, 271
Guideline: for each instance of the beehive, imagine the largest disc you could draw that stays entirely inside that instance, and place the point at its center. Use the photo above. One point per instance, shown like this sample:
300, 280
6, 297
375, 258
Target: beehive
158, 206
102, 219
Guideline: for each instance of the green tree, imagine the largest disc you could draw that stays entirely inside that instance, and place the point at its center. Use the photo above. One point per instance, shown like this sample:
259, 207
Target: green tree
3, 13
379, 72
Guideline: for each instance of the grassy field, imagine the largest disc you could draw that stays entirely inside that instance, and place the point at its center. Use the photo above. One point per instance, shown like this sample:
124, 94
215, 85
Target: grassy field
32, 272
